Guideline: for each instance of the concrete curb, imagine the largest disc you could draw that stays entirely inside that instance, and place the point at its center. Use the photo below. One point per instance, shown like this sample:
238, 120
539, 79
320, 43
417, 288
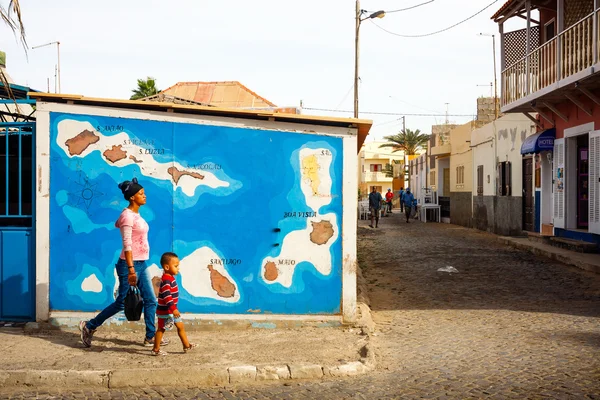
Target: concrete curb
557, 254
198, 377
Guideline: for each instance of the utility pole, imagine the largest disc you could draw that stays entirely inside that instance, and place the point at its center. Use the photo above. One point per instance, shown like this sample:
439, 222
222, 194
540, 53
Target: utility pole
495, 79
405, 156
359, 13
356, 57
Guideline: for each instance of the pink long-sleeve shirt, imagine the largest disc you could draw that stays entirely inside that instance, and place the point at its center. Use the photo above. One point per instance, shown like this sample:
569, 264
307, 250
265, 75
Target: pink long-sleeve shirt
134, 233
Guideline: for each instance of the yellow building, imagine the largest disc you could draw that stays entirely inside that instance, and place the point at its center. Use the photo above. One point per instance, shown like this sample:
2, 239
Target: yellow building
452, 176
461, 175
372, 164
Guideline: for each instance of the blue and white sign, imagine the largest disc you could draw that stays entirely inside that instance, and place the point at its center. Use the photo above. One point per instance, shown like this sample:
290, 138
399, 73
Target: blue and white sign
541, 141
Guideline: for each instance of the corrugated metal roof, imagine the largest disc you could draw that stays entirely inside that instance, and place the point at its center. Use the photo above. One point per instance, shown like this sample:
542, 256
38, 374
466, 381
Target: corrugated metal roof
230, 94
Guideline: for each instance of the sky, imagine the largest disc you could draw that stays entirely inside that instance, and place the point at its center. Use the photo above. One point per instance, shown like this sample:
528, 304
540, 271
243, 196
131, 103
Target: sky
288, 52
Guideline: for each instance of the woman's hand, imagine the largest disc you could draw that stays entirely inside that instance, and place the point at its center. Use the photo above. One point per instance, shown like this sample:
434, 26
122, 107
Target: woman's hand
132, 277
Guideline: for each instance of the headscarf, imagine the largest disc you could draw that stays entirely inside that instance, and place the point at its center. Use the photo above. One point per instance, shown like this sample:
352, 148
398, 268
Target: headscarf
130, 188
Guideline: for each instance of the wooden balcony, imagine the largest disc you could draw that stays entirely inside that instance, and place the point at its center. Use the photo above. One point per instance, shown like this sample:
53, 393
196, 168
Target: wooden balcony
569, 57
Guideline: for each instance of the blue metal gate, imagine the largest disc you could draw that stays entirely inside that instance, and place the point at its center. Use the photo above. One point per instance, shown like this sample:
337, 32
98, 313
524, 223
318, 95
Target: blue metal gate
17, 222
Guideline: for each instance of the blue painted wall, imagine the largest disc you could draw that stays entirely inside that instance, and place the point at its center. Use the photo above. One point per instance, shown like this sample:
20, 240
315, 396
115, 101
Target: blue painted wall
263, 172
17, 275
577, 235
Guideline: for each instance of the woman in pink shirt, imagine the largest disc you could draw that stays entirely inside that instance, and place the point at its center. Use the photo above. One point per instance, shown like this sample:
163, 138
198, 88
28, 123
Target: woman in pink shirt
131, 267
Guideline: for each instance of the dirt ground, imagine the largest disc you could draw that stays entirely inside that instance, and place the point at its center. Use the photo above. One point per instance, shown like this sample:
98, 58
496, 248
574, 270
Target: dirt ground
113, 350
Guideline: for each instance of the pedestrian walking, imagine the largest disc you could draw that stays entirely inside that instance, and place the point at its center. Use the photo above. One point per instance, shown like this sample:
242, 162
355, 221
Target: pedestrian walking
389, 196
409, 201
375, 200
167, 311
131, 266
402, 199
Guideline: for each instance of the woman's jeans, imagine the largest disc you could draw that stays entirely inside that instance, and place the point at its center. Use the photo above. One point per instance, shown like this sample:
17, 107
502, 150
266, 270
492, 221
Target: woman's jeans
146, 288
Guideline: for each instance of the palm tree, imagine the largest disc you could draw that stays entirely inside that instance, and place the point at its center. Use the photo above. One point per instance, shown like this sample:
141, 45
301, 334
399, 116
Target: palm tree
145, 88
11, 16
408, 141
388, 170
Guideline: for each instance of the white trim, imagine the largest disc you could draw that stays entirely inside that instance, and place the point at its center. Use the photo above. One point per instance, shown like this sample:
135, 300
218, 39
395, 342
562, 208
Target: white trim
552, 21
594, 183
349, 218
579, 130
66, 316
42, 217
559, 154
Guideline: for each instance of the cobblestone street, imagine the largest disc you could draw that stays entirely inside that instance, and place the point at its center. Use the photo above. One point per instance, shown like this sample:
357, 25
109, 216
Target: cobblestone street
507, 325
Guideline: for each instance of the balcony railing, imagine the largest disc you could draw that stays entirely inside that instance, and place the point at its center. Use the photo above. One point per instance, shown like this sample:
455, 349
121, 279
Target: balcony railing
570, 52
376, 177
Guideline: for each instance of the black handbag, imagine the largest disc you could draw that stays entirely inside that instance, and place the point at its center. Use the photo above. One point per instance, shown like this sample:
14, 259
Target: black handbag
134, 304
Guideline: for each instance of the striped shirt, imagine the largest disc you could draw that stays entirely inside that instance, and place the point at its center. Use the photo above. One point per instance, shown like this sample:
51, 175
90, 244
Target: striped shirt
168, 295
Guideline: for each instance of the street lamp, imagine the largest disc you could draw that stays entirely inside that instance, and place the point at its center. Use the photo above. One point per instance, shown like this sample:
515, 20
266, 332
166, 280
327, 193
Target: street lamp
359, 19
58, 54
495, 80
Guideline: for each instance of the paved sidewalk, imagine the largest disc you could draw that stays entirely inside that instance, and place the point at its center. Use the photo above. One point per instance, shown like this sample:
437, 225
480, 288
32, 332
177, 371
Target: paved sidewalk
585, 261
55, 358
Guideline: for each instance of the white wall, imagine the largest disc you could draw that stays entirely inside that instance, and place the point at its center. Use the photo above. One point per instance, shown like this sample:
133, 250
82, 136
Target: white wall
509, 132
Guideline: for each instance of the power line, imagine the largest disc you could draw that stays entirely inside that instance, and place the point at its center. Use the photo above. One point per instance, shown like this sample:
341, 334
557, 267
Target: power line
410, 8
345, 96
388, 113
436, 32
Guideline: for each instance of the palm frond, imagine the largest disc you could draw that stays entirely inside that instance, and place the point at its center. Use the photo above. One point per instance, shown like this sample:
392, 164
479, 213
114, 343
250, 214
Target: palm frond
145, 88
16, 24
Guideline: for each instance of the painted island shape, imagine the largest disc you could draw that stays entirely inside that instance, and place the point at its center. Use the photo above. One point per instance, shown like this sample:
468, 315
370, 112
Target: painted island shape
115, 153
176, 174
221, 284
271, 272
321, 233
81, 142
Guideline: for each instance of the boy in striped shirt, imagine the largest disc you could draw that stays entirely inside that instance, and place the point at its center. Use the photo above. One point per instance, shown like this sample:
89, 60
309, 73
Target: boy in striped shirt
167, 311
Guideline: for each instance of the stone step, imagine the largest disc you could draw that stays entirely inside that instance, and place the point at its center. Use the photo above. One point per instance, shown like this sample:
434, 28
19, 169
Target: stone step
537, 238
574, 245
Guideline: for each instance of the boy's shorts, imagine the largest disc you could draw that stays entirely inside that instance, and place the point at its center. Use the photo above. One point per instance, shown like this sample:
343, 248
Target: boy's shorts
166, 322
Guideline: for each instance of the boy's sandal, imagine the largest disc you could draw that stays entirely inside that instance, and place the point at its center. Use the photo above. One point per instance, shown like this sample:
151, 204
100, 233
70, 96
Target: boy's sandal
158, 353
192, 346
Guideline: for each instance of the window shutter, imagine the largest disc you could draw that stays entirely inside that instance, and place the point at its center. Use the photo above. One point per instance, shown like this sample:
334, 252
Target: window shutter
559, 183
594, 182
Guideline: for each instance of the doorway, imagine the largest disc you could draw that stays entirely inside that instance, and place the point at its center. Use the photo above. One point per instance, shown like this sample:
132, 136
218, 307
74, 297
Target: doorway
446, 192
528, 204
582, 182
